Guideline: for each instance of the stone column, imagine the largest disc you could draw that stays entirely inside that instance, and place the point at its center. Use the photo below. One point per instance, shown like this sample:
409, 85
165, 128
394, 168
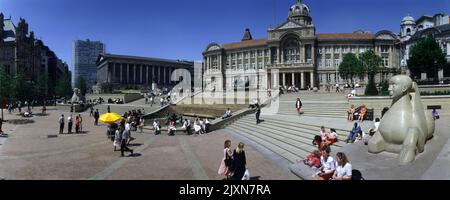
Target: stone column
121, 73
293, 79
278, 55
128, 74
302, 80
312, 79
281, 56
313, 54
284, 79
146, 74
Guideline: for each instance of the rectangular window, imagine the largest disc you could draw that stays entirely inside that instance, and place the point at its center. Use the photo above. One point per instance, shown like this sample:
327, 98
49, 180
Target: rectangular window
336, 49
320, 50
327, 63
319, 62
384, 49
337, 62
327, 49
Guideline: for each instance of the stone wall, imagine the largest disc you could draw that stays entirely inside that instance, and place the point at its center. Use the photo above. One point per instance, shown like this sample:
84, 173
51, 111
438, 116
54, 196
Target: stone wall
127, 97
378, 103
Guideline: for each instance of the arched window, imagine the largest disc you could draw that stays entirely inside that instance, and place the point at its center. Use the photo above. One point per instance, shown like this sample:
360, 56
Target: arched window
408, 31
291, 50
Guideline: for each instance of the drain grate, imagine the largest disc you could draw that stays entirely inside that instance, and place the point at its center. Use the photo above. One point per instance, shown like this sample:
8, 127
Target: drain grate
52, 136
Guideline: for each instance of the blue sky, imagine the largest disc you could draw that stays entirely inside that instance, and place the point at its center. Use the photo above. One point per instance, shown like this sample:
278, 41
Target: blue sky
181, 29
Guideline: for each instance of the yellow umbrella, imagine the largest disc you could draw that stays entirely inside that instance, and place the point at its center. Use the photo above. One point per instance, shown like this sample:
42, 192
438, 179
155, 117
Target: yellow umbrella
110, 117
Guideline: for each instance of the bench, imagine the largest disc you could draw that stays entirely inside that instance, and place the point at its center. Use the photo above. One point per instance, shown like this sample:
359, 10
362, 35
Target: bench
437, 107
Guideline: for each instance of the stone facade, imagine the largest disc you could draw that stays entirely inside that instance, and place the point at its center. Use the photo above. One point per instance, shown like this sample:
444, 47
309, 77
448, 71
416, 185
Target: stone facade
123, 71
413, 30
20, 50
302, 57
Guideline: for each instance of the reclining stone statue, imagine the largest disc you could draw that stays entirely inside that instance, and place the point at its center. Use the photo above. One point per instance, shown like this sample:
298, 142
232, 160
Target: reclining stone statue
405, 127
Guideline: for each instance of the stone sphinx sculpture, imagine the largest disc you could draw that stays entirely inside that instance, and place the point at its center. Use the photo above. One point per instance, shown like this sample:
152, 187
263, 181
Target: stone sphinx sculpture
77, 97
405, 127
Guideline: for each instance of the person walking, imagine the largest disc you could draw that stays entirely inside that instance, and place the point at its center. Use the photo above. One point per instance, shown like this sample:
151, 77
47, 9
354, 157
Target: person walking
1, 125
96, 116
298, 106
92, 111
61, 124
239, 162
77, 124
141, 124
258, 114
225, 164
118, 138
124, 140
109, 109
81, 123
338, 89
69, 124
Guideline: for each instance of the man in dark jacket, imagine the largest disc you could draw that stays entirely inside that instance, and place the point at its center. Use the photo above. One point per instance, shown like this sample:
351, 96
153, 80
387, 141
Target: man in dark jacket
298, 106
96, 116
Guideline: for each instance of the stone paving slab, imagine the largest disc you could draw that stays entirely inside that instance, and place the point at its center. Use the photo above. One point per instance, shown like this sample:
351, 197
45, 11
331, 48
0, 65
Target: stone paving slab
29, 154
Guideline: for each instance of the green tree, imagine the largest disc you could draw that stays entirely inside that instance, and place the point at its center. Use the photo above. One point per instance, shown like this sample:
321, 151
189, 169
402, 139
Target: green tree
426, 57
81, 84
350, 67
371, 65
63, 87
41, 86
22, 87
5, 84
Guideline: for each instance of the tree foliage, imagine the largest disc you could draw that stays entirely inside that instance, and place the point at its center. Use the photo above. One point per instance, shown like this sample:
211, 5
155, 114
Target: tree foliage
63, 87
371, 64
5, 84
426, 57
81, 85
350, 67
41, 89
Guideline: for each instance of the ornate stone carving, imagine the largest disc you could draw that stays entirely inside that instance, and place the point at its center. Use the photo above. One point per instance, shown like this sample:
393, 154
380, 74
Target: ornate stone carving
289, 25
406, 127
212, 48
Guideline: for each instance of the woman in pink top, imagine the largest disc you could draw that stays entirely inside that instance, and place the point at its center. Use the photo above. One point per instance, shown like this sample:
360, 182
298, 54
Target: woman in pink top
227, 153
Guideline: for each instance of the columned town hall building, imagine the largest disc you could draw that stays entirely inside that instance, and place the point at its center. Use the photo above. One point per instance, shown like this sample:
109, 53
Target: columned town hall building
122, 71
303, 57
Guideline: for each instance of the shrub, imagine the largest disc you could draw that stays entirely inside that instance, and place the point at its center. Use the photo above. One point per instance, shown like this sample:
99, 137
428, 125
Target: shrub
371, 89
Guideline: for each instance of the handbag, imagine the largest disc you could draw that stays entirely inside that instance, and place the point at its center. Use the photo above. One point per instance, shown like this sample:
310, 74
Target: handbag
246, 175
229, 161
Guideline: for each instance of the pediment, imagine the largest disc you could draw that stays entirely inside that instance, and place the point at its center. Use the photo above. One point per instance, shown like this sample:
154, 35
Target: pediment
288, 25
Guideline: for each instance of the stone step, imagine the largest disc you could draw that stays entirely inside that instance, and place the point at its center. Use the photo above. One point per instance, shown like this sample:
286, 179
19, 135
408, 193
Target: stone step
304, 131
272, 147
314, 115
295, 139
279, 137
297, 123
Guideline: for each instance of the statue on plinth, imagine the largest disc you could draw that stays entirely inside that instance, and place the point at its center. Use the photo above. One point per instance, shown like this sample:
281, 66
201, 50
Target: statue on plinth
405, 127
77, 97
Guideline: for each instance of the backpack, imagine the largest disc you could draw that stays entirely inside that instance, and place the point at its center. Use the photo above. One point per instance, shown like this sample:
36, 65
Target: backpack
356, 175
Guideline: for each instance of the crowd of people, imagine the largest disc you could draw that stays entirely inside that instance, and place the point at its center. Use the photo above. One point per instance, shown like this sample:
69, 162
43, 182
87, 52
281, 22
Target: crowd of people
324, 165
70, 122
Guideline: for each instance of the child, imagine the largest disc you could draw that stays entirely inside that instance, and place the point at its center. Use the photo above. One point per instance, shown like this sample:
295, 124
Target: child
332, 137
313, 160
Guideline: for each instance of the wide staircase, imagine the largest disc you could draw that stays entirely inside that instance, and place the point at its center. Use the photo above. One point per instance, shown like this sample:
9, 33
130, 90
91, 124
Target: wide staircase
290, 139
319, 104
